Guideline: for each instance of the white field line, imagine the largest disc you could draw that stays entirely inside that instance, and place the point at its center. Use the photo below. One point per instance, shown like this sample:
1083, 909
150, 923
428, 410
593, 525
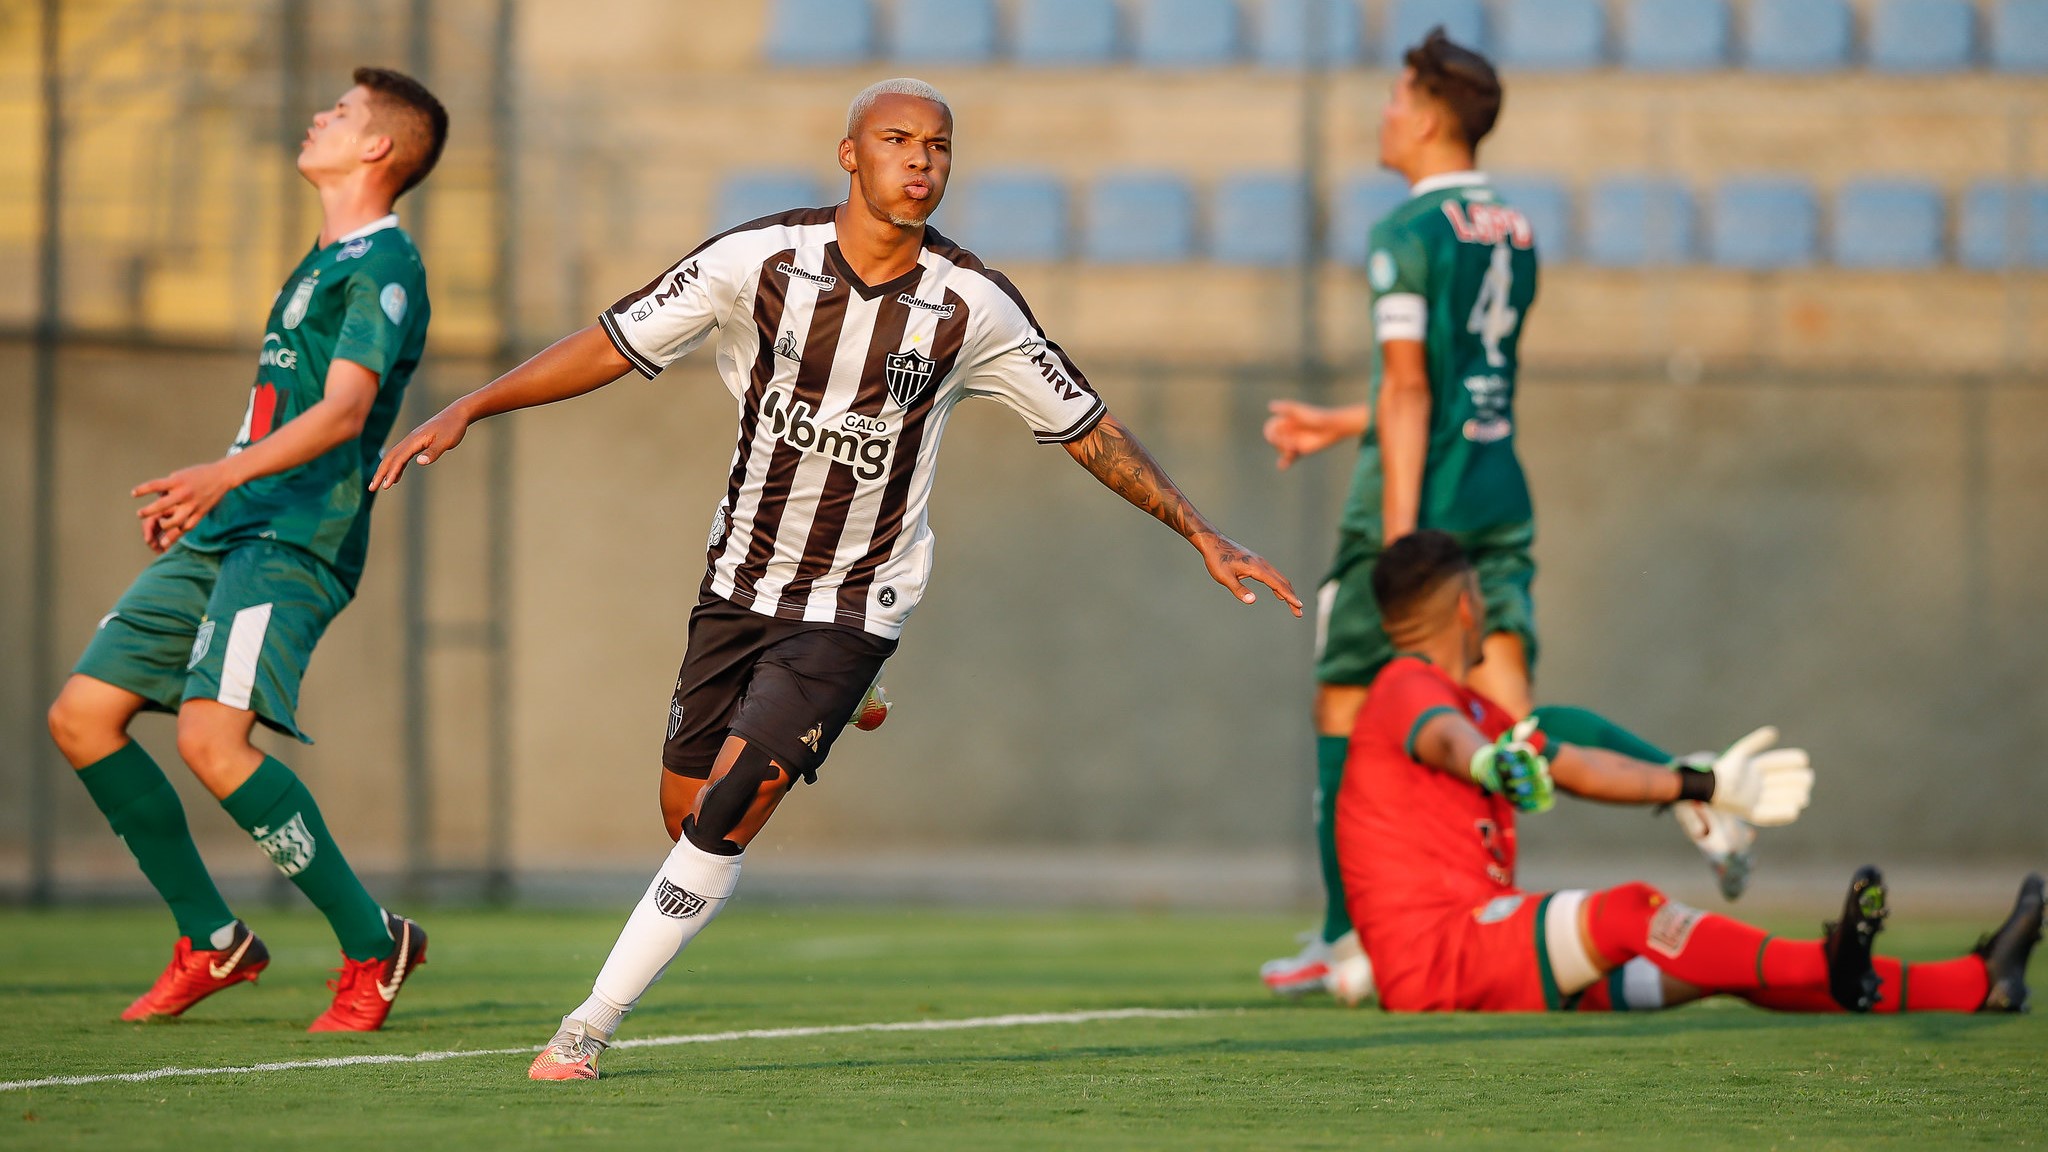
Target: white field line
1021, 1020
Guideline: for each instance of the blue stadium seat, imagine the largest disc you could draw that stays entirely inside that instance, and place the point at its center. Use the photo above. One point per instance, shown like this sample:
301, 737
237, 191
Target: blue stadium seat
943, 31
1548, 205
1012, 216
1257, 219
1797, 35
1553, 35
2019, 36
1637, 222
1923, 35
1065, 33
820, 31
1408, 21
1360, 203
1140, 218
2004, 226
744, 196
1185, 33
1281, 33
1887, 224
1675, 35
1762, 223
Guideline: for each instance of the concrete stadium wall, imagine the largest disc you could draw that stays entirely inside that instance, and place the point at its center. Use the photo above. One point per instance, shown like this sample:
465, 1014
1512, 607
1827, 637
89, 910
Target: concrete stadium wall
1856, 561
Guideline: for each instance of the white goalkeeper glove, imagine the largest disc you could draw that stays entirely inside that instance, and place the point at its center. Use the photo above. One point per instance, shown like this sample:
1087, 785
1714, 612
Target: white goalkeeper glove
1763, 785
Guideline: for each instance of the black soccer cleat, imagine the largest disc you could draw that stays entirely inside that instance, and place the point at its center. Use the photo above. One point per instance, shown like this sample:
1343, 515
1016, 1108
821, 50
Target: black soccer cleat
1852, 979
2007, 950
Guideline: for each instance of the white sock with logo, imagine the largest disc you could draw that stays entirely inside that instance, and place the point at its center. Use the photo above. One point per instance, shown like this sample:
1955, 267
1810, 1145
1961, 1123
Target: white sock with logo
688, 891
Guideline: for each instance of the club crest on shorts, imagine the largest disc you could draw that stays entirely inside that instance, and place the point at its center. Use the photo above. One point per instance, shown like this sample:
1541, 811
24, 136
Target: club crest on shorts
675, 720
675, 901
291, 847
200, 643
909, 374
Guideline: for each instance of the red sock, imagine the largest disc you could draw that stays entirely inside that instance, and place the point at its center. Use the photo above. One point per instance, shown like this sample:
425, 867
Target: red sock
1595, 997
1705, 950
1956, 985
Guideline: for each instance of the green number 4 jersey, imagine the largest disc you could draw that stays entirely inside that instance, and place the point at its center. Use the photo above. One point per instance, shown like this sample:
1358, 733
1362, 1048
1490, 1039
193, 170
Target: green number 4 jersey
362, 298
1454, 268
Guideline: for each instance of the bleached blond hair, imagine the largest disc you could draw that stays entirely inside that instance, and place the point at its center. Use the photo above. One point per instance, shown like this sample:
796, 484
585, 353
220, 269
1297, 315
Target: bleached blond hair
899, 86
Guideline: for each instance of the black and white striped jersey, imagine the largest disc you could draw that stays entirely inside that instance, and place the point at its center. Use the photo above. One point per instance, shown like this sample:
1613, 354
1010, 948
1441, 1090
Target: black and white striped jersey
844, 389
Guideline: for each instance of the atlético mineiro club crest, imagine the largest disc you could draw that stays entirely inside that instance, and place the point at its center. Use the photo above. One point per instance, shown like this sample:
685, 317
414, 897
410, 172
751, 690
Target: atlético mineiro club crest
909, 373
675, 901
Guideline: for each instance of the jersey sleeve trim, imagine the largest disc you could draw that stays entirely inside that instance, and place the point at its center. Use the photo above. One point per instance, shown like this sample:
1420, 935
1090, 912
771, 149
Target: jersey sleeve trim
641, 364
1400, 316
1079, 428
1415, 729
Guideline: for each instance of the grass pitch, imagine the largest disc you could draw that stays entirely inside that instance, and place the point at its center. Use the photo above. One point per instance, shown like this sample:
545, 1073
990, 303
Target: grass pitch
1249, 1072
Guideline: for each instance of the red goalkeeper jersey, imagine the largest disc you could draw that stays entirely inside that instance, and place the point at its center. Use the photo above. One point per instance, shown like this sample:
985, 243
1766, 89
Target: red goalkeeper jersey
1414, 842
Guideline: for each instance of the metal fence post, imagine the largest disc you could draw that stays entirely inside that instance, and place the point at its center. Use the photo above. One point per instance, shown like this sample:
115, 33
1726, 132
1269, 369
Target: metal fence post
42, 797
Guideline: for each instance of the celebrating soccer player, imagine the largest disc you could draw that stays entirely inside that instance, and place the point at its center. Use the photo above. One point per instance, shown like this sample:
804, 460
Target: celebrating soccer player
1436, 776
259, 551
1453, 274
846, 335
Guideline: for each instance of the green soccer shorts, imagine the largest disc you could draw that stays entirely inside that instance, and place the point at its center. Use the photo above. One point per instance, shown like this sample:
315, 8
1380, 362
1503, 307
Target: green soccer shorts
237, 626
1351, 647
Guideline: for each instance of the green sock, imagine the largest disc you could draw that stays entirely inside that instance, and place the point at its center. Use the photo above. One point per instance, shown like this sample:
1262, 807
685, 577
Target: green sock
145, 813
1330, 752
275, 809
1592, 730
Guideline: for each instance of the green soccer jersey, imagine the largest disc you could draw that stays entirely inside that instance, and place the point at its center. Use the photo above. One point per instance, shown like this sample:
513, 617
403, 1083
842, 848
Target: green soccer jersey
362, 298
1455, 268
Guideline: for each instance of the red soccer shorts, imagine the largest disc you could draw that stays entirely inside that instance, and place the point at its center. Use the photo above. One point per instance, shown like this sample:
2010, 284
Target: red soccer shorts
1485, 959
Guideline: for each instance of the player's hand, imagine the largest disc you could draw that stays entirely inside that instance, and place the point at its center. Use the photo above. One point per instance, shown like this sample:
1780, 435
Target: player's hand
1231, 565
1763, 785
423, 445
1298, 429
1512, 767
182, 499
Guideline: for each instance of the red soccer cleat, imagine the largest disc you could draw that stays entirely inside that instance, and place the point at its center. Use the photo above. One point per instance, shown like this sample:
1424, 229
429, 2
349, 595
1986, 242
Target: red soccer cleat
196, 973
364, 989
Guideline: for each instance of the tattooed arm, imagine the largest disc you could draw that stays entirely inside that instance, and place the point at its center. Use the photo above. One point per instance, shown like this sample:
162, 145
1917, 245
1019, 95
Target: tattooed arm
1113, 455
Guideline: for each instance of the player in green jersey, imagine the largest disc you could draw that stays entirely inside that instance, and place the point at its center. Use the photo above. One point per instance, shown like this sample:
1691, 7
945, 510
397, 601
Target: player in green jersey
258, 552
1453, 274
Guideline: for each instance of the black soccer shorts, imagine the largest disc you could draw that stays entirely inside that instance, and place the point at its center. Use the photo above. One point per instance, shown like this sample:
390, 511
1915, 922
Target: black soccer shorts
787, 686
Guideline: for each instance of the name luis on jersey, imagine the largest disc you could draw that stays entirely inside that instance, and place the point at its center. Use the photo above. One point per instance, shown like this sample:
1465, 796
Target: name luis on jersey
860, 442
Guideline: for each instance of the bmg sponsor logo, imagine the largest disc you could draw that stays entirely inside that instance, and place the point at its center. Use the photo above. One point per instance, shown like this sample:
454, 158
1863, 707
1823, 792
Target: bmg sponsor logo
859, 442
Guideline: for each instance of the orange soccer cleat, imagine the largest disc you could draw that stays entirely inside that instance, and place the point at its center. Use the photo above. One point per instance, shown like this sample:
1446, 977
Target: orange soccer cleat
196, 973
364, 989
571, 1055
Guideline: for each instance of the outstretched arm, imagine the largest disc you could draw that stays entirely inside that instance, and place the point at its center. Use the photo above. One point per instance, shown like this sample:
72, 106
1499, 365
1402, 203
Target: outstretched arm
578, 363
1114, 456
1296, 429
1597, 774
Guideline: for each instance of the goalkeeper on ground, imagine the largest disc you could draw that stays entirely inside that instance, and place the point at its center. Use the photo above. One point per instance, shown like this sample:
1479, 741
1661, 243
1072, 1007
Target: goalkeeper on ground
1426, 843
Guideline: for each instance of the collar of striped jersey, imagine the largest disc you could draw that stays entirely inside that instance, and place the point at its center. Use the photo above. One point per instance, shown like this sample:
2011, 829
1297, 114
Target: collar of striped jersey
1443, 180
389, 221
903, 283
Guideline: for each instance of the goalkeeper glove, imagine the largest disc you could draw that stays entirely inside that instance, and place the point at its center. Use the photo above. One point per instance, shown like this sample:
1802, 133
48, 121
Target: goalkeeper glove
1763, 785
1511, 767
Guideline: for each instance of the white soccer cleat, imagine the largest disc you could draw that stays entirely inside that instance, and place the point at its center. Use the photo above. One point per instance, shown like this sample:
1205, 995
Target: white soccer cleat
1726, 840
1350, 976
1301, 974
571, 1055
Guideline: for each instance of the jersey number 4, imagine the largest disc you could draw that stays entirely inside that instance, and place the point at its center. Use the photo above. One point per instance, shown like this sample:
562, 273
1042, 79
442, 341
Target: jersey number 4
1492, 319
